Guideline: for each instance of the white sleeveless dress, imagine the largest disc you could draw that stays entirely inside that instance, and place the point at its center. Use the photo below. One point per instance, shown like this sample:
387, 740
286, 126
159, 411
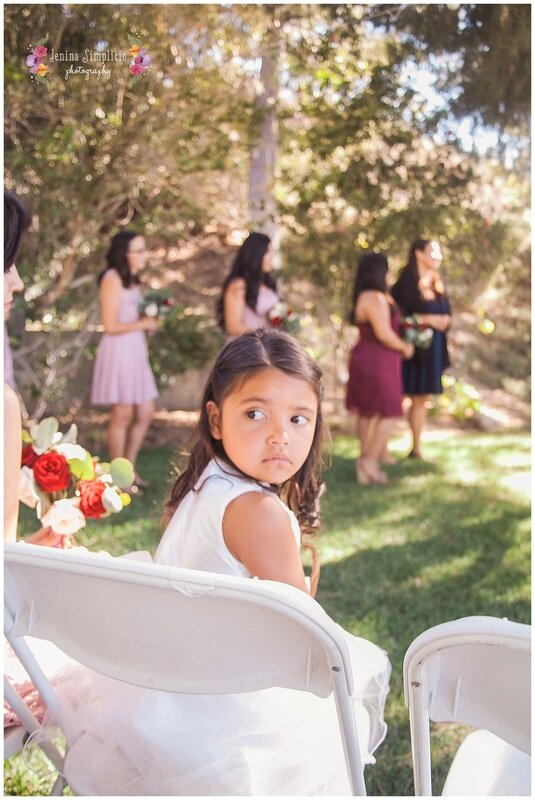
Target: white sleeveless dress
130, 741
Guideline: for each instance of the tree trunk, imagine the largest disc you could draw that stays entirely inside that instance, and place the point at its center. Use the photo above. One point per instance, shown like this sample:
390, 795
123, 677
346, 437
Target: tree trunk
262, 207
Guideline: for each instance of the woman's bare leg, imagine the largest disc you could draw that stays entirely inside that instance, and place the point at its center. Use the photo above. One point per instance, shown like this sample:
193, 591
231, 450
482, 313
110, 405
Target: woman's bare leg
138, 431
120, 418
365, 426
382, 434
417, 418
378, 434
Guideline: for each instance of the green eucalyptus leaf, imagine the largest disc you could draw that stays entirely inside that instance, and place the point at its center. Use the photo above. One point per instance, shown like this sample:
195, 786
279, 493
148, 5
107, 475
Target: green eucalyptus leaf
122, 472
82, 469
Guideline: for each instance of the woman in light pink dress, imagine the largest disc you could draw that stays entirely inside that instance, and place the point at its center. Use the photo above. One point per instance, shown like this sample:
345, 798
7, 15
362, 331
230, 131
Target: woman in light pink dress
122, 376
249, 291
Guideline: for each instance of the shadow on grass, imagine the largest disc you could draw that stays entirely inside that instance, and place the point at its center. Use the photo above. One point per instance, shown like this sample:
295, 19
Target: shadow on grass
425, 549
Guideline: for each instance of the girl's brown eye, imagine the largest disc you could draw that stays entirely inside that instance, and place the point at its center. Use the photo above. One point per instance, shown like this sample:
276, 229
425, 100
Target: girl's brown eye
255, 414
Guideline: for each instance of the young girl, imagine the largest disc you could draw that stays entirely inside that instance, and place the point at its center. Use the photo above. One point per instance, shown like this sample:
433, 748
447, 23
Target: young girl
250, 484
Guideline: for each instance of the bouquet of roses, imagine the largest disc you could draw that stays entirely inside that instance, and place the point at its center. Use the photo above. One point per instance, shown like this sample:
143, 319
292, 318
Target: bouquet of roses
156, 303
414, 331
282, 317
65, 484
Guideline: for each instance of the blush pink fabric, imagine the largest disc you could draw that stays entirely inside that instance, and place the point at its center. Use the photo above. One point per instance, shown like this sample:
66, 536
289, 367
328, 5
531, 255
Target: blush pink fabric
122, 373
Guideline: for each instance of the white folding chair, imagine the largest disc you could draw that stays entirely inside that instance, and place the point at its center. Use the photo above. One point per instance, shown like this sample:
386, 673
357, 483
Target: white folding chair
114, 615
474, 671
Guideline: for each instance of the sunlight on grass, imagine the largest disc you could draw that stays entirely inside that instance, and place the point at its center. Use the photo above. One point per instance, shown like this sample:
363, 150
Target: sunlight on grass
519, 482
453, 568
443, 540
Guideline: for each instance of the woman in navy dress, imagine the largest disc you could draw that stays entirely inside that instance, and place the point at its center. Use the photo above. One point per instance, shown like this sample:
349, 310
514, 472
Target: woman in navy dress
420, 290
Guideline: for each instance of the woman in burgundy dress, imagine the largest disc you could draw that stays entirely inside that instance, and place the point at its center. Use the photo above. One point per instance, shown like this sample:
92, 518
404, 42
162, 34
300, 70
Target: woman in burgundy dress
374, 386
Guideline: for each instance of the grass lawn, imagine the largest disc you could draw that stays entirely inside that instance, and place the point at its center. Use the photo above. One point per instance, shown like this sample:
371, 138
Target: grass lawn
443, 540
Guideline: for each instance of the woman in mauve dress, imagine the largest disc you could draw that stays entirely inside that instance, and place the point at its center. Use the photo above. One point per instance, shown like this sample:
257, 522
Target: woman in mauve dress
122, 377
374, 387
249, 291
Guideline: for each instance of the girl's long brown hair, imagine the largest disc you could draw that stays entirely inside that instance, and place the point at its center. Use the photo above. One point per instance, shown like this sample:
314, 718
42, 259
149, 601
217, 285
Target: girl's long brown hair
237, 361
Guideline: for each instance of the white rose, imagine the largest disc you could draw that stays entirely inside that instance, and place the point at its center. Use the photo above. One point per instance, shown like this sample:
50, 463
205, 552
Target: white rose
111, 500
64, 517
151, 310
27, 489
71, 451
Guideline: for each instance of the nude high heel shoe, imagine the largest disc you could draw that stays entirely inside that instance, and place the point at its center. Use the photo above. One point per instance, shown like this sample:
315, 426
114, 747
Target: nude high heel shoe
362, 476
371, 473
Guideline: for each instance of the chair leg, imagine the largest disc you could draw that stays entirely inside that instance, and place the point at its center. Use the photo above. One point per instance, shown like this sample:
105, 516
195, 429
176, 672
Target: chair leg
30, 723
57, 789
348, 731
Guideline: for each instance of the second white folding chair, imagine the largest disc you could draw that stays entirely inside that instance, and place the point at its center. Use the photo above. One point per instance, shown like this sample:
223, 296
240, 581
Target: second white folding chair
474, 671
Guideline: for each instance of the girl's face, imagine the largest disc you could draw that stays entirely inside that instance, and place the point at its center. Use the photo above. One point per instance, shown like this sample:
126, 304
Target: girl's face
12, 284
266, 261
137, 254
267, 425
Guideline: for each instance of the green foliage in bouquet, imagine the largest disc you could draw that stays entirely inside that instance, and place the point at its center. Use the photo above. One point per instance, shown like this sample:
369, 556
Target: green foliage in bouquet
156, 303
185, 340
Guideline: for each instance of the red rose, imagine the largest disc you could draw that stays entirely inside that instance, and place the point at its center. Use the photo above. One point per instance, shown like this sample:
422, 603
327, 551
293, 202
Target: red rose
91, 498
29, 456
51, 472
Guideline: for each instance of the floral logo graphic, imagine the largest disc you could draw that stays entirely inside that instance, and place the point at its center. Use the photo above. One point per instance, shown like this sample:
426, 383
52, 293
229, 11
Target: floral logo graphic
140, 60
34, 61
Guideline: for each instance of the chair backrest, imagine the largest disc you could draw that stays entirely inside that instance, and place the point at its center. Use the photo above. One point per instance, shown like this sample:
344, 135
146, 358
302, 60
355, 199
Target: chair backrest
474, 671
180, 630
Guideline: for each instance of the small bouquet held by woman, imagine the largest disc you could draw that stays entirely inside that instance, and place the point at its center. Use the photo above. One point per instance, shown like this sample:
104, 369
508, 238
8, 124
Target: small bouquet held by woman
414, 331
282, 317
156, 303
65, 484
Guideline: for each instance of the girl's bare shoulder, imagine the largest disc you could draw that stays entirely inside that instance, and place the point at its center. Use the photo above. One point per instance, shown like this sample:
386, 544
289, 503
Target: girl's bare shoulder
264, 507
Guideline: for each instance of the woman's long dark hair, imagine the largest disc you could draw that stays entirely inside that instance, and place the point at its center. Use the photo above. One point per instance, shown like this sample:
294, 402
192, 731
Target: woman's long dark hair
371, 275
117, 258
412, 267
237, 361
16, 223
248, 265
